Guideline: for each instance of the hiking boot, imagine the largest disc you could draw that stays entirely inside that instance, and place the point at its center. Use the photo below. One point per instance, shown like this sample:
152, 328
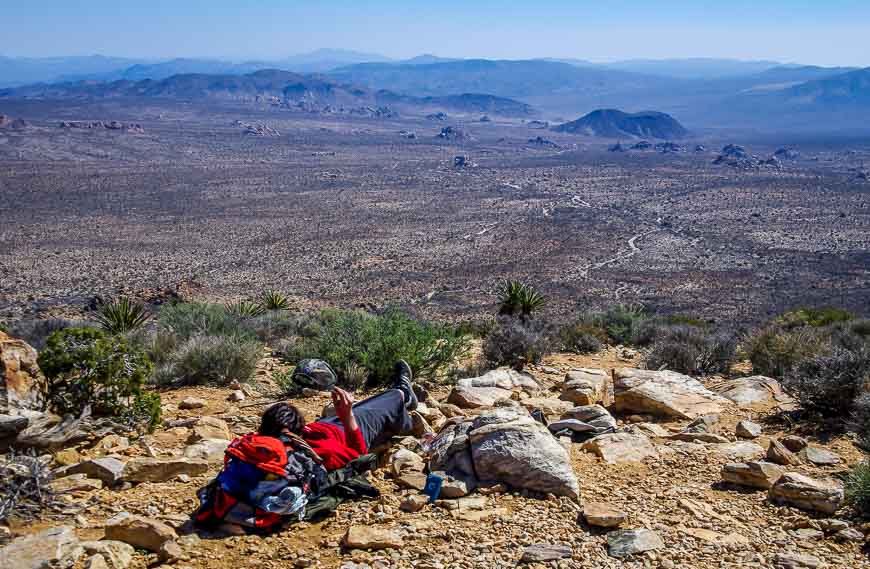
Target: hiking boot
403, 384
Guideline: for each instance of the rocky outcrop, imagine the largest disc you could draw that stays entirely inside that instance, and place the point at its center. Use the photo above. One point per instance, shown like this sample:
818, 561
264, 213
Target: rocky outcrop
22, 385
752, 474
586, 386
663, 393
751, 390
806, 493
617, 448
484, 391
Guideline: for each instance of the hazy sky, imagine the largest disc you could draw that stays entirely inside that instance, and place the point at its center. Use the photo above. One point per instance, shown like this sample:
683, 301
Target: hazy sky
826, 32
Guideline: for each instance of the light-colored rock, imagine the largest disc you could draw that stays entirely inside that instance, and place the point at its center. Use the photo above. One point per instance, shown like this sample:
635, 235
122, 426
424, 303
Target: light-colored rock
508, 446
451, 410
586, 386
403, 460
22, 386
209, 428
849, 535
703, 424
806, 493
161, 470
453, 488
236, 396
715, 537
819, 456
700, 437
54, 548
594, 415
116, 554
617, 448
191, 403
96, 562
107, 469
374, 538
740, 451
75, 483
112, 444
504, 378
753, 474
139, 531
627, 542
432, 415
649, 430
796, 561
550, 407
544, 552
777, 453
412, 480
414, 503
419, 425
748, 430
745, 391
469, 397
602, 515
210, 450
663, 393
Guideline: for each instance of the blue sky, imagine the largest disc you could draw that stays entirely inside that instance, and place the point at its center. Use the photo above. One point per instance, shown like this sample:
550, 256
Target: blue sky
825, 32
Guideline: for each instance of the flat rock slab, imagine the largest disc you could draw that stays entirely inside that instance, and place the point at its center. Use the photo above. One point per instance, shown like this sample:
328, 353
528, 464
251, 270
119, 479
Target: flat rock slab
739, 451
806, 493
162, 470
139, 531
470, 397
602, 515
543, 552
54, 548
820, 456
373, 538
109, 470
796, 561
627, 542
210, 450
664, 393
550, 407
617, 448
752, 474
752, 390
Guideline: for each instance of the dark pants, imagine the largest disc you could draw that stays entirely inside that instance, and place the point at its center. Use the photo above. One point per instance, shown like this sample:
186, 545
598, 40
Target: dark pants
380, 417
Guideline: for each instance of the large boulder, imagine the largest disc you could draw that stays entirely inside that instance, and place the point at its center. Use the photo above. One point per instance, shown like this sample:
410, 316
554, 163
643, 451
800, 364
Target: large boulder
806, 493
617, 448
209, 428
139, 531
586, 386
485, 390
470, 397
508, 446
22, 386
54, 548
210, 450
751, 390
663, 393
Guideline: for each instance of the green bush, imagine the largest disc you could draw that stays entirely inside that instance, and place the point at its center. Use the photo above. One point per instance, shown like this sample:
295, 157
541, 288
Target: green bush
775, 351
858, 488
190, 319
274, 325
244, 308
86, 368
518, 299
517, 341
376, 342
621, 322
121, 316
690, 350
829, 384
813, 317
274, 300
210, 360
583, 338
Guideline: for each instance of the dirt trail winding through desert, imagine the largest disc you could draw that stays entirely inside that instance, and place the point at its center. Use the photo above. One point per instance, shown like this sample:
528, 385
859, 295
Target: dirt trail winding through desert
633, 250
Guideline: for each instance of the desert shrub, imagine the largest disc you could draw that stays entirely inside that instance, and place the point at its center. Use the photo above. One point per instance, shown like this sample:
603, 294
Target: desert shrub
775, 351
352, 376
273, 325
121, 316
517, 341
857, 488
688, 349
376, 341
621, 321
813, 317
244, 308
274, 300
478, 328
24, 490
582, 338
87, 368
860, 422
210, 360
518, 299
828, 384
36, 332
474, 368
284, 381
190, 319
860, 328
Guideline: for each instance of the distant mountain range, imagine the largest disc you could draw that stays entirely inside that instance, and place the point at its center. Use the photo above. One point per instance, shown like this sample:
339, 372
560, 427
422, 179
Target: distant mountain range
310, 91
611, 123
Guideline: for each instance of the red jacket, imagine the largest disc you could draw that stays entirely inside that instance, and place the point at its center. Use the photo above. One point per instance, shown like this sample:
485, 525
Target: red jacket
335, 446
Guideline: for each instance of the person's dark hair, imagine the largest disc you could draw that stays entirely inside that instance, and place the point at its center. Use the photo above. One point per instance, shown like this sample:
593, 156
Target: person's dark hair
279, 417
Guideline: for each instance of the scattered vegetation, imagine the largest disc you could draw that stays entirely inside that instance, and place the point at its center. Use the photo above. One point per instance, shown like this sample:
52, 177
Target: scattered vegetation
87, 368
775, 351
860, 422
519, 299
374, 342
24, 491
813, 317
691, 350
828, 384
858, 488
244, 308
210, 360
516, 342
121, 316
274, 300
582, 338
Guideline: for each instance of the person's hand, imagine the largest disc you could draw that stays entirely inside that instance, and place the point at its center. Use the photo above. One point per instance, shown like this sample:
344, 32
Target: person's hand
343, 403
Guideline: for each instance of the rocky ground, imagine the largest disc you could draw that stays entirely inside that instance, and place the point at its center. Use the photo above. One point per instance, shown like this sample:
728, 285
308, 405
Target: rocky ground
659, 477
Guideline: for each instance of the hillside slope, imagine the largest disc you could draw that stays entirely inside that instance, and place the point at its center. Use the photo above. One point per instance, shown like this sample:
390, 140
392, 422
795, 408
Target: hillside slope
612, 123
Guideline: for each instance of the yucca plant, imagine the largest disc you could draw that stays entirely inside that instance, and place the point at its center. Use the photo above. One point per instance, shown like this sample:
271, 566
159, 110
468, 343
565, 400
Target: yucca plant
274, 300
121, 316
517, 298
858, 488
244, 308
353, 376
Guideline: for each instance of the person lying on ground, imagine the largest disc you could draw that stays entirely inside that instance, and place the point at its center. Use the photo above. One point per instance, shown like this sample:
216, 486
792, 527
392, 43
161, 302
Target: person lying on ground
356, 427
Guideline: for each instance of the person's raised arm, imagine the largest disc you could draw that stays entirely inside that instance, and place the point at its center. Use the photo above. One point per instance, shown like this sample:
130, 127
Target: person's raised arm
343, 402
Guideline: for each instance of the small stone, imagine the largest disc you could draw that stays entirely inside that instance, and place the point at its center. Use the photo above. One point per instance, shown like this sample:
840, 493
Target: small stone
778, 454
748, 430
75, 483
191, 403
623, 543
602, 515
368, 537
543, 552
139, 531
236, 396
753, 474
413, 480
794, 443
820, 456
414, 503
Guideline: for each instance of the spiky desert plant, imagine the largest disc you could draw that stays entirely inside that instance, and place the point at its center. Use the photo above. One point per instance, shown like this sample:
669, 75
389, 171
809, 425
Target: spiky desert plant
274, 300
353, 376
244, 308
121, 315
858, 487
517, 298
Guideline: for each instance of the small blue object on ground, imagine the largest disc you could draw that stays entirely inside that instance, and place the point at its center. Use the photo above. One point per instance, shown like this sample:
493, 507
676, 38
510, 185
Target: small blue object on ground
433, 487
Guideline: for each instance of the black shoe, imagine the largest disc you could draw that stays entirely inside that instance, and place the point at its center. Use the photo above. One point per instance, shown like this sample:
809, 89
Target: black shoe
403, 384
